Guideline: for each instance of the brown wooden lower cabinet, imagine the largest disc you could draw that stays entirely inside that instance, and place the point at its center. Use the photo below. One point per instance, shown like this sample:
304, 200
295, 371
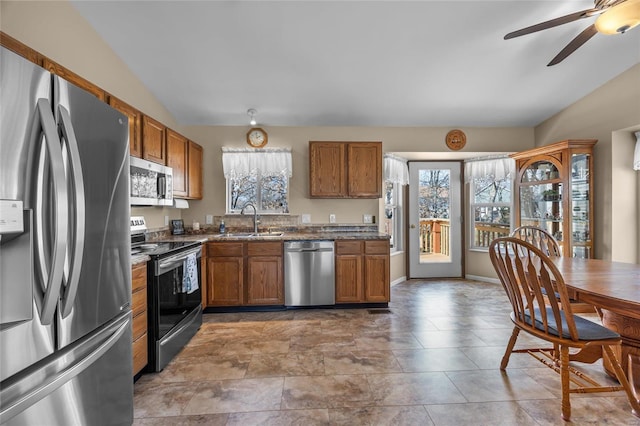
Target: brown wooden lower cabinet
362, 271
244, 273
139, 311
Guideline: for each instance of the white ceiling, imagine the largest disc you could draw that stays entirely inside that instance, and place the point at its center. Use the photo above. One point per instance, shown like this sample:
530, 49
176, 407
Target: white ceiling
358, 63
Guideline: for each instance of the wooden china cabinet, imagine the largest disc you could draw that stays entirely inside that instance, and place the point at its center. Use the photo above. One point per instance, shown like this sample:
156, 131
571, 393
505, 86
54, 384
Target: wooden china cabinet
554, 191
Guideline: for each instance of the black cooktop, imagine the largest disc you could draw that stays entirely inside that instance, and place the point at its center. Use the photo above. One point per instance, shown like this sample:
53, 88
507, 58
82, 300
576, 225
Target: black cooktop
162, 248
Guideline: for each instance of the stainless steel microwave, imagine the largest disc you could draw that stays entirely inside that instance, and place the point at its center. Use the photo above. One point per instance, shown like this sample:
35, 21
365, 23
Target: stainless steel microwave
151, 183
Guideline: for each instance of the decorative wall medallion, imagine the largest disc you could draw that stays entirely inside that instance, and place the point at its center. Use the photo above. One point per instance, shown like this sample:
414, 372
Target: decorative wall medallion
456, 139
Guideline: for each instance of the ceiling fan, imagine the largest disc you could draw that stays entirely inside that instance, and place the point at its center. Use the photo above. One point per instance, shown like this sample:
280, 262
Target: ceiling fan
614, 17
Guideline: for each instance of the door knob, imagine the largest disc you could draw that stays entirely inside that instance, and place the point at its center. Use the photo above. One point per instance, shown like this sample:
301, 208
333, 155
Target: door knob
413, 226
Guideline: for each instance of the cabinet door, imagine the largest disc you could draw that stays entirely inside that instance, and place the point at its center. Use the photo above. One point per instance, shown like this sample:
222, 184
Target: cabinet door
177, 148
153, 140
139, 310
224, 281
195, 171
376, 278
364, 169
74, 78
264, 280
349, 279
135, 125
327, 170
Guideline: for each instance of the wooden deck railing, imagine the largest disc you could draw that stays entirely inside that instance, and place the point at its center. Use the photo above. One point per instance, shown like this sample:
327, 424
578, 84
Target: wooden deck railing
435, 235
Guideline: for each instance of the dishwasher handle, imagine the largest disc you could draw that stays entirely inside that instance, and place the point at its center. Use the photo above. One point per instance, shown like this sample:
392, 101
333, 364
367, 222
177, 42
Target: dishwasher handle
306, 250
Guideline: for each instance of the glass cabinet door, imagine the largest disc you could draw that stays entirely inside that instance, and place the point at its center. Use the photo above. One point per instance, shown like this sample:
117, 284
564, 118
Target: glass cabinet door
580, 207
541, 195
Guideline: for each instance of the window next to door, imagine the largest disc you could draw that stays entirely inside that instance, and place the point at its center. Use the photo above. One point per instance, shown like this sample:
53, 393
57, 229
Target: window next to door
490, 189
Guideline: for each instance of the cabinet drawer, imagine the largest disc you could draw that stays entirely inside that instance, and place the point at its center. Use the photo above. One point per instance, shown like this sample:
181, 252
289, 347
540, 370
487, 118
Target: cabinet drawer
139, 301
376, 247
349, 247
139, 325
138, 276
263, 248
224, 249
140, 356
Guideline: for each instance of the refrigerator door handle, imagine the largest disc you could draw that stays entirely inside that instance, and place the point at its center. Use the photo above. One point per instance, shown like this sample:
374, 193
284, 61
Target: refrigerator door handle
77, 213
22, 392
50, 259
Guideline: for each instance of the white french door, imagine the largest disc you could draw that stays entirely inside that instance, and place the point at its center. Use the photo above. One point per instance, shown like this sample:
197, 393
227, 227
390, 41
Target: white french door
435, 220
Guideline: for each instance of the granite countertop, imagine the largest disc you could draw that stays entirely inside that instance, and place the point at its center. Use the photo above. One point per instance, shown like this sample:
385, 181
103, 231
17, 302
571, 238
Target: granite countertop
277, 236
297, 236
139, 258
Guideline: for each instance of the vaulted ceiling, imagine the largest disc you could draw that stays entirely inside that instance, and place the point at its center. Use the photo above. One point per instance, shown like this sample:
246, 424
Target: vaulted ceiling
358, 63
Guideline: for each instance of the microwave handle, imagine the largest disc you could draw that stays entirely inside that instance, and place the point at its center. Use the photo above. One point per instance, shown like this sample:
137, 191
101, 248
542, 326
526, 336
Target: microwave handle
162, 187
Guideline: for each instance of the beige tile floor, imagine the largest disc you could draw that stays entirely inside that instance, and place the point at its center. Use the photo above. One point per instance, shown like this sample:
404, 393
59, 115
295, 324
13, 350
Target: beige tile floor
432, 358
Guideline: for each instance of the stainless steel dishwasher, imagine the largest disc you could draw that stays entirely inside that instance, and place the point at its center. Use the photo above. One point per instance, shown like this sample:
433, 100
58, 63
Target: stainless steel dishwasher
309, 273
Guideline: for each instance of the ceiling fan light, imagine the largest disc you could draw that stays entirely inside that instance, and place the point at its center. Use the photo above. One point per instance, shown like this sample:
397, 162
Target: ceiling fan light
620, 18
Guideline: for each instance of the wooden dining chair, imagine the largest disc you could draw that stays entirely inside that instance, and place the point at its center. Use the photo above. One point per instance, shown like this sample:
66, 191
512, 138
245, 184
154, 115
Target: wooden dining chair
525, 272
539, 238
543, 240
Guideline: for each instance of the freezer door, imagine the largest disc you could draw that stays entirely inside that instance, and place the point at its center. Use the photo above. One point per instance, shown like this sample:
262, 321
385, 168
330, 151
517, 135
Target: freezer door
87, 383
97, 281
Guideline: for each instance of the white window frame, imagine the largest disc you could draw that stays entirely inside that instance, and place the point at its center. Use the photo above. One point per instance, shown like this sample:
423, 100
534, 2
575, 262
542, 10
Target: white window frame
397, 220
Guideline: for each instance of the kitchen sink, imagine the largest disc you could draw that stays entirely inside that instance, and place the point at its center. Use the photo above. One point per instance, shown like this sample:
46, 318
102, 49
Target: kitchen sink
268, 234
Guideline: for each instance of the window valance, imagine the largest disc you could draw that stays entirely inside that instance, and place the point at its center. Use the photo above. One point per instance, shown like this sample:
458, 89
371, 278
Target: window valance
496, 167
636, 154
395, 169
242, 162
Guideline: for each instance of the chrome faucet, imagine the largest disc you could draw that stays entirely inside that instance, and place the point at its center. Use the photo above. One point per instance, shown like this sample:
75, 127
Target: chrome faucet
255, 216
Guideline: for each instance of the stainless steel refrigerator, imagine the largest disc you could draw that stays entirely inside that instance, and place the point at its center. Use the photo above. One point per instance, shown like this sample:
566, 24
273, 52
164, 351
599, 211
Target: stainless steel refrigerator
65, 277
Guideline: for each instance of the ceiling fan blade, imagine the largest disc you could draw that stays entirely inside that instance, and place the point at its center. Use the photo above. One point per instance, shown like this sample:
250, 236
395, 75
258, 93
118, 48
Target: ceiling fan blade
580, 39
554, 22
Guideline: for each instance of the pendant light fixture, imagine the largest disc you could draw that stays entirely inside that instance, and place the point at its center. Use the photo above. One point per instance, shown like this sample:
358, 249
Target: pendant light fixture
252, 115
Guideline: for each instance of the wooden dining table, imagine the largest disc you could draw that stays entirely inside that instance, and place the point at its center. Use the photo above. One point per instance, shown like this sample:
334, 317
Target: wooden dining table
614, 287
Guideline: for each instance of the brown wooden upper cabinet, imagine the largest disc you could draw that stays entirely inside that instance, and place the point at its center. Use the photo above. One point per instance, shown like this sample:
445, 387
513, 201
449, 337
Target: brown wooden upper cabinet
74, 78
135, 125
177, 152
195, 170
153, 140
345, 169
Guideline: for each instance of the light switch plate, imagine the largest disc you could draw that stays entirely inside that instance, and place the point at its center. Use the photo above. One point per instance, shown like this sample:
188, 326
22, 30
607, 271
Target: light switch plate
306, 218
209, 219
332, 218
367, 218
166, 221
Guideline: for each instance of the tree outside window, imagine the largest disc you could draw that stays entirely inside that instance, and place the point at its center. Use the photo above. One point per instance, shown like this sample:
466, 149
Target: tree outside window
268, 193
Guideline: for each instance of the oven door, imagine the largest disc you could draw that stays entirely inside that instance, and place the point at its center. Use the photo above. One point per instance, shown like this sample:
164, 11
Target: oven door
175, 301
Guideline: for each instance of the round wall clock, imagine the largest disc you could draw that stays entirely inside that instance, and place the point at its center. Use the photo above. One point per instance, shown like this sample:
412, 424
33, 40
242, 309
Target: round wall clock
456, 139
257, 138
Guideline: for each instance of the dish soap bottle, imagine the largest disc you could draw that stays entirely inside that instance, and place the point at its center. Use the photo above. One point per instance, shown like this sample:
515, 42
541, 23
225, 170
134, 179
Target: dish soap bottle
222, 227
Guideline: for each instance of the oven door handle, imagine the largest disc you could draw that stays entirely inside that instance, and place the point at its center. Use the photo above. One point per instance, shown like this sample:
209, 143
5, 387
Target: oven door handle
174, 261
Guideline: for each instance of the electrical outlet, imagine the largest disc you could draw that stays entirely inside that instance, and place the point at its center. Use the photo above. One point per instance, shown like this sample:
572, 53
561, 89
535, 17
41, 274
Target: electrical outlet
332, 218
166, 220
306, 218
208, 219
367, 218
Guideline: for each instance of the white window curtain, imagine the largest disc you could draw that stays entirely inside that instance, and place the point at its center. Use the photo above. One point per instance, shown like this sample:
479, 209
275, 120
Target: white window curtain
636, 154
242, 162
498, 167
396, 169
